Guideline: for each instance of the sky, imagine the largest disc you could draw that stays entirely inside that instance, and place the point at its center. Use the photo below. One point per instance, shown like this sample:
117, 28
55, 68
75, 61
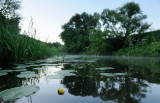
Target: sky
50, 15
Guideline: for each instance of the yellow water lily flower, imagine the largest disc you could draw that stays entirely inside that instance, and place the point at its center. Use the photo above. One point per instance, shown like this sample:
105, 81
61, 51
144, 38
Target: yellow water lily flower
60, 91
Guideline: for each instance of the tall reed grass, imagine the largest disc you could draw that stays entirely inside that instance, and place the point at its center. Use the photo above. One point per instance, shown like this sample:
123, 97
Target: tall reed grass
15, 47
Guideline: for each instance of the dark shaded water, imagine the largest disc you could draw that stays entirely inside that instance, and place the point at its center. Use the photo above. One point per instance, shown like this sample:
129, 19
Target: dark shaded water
121, 80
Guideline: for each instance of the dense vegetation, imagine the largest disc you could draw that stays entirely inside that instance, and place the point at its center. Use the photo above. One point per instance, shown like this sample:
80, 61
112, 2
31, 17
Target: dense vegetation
15, 46
113, 32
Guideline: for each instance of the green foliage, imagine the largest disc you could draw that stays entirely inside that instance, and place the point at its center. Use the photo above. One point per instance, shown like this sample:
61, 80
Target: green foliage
105, 33
141, 49
76, 32
125, 21
104, 43
18, 92
14, 46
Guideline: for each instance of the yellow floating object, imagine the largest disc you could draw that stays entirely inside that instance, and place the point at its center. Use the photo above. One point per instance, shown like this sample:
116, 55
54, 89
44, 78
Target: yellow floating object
68, 63
60, 91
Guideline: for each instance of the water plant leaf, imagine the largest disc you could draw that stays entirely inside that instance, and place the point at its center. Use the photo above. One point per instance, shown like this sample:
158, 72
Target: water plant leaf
108, 74
20, 70
114, 74
61, 74
49, 64
21, 67
2, 74
18, 92
66, 73
5, 71
121, 74
27, 74
41, 68
104, 68
34, 65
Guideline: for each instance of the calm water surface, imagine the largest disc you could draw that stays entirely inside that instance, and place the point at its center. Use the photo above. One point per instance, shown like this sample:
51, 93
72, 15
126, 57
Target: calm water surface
87, 79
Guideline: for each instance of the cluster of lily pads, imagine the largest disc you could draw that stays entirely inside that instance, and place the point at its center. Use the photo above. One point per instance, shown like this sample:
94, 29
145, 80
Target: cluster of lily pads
18, 92
61, 74
110, 74
5, 72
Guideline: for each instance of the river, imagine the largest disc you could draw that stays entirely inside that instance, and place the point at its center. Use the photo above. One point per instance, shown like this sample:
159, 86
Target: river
85, 79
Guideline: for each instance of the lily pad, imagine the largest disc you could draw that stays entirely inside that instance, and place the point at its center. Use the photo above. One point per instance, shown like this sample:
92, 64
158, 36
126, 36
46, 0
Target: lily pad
21, 67
2, 74
18, 92
40, 68
34, 65
121, 74
66, 73
114, 74
27, 74
62, 63
104, 68
61, 74
108, 74
19, 70
49, 64
5, 71
30, 63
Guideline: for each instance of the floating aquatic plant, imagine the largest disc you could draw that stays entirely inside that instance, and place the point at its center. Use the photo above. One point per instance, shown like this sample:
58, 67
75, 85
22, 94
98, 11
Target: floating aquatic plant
61, 74
104, 68
5, 71
18, 92
20, 70
2, 74
114, 74
49, 64
21, 67
34, 65
41, 68
27, 74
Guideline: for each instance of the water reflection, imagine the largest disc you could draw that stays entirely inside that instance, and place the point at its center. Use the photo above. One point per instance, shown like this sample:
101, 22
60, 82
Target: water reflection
133, 88
122, 89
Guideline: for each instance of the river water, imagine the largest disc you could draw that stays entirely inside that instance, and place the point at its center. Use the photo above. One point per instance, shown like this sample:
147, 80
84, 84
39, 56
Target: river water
85, 79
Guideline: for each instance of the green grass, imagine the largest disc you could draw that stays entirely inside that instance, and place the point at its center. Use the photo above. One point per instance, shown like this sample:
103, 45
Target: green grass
15, 47
141, 49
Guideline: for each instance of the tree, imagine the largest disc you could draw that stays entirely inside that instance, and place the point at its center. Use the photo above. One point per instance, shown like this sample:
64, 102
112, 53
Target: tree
9, 8
76, 32
9, 17
125, 21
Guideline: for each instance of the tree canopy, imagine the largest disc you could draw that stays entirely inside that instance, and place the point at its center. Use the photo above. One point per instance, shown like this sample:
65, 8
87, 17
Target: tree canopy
104, 33
75, 33
9, 8
126, 20
117, 29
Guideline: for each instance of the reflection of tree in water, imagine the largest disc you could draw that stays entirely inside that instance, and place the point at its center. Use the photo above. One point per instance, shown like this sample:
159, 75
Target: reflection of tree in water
121, 89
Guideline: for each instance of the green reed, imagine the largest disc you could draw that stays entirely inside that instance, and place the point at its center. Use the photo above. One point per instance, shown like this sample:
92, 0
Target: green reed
16, 47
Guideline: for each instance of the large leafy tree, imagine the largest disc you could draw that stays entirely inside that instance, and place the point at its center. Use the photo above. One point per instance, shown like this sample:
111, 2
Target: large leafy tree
76, 32
9, 8
125, 21
9, 17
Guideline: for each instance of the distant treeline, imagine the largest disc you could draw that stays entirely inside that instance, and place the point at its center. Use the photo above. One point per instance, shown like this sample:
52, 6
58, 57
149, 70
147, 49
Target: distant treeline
112, 32
16, 47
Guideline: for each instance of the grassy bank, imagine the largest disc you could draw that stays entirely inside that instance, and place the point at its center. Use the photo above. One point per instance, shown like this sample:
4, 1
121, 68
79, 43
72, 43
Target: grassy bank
147, 44
15, 47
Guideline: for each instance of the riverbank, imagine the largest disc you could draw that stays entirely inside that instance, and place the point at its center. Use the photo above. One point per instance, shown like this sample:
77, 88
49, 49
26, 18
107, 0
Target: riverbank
19, 48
